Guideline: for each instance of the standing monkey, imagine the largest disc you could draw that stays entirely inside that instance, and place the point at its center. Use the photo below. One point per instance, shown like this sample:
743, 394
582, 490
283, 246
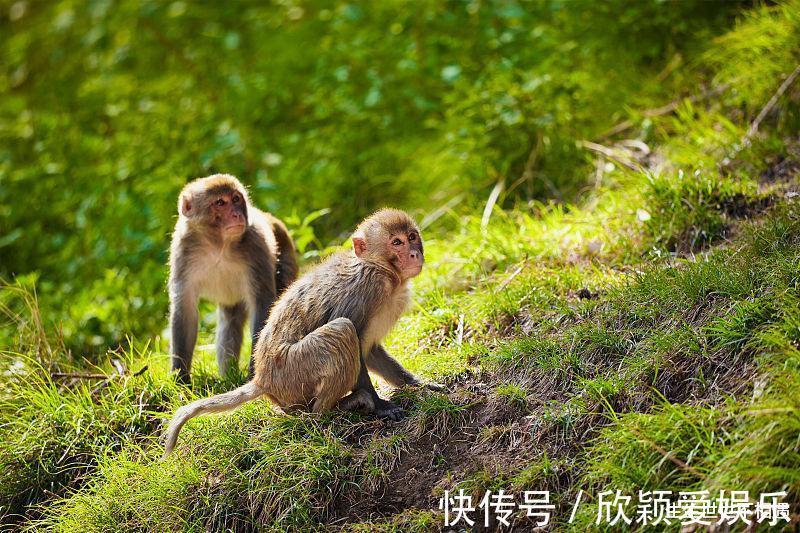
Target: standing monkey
324, 333
229, 252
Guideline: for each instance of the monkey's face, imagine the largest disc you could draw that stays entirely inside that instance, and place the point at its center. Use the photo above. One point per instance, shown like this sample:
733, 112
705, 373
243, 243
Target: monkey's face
227, 212
406, 253
216, 206
390, 236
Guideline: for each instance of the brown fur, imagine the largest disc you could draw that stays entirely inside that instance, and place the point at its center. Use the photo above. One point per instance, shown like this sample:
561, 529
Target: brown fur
325, 331
243, 275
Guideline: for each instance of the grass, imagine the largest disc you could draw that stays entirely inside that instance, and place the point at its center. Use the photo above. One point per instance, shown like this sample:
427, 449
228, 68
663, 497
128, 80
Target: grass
641, 377
412, 521
512, 393
53, 436
645, 338
251, 468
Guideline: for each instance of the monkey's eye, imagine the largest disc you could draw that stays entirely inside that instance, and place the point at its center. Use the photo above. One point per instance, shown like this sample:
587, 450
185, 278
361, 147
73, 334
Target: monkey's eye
220, 202
412, 237
397, 242
236, 198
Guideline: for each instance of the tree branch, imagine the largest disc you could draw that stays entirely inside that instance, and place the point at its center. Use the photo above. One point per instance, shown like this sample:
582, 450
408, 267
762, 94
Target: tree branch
753, 129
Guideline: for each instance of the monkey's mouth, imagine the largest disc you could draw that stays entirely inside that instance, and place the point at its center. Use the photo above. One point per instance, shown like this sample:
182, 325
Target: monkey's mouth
412, 269
233, 227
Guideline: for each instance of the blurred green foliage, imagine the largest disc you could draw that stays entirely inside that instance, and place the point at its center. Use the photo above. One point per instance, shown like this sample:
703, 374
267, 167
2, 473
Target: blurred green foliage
108, 107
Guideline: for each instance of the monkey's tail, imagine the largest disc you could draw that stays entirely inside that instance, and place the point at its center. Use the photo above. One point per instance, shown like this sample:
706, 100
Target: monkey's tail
216, 404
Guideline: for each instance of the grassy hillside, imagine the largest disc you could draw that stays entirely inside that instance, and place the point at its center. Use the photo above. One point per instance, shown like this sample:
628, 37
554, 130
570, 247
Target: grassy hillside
641, 333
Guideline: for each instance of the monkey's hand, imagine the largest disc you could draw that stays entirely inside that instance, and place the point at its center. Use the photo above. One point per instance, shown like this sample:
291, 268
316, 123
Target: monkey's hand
436, 387
387, 409
432, 385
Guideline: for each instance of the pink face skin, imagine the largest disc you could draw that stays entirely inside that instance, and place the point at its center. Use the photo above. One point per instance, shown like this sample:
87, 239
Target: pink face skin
228, 213
408, 251
405, 251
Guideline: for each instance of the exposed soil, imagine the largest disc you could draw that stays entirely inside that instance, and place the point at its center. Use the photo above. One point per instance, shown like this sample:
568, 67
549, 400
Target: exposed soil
492, 437
488, 435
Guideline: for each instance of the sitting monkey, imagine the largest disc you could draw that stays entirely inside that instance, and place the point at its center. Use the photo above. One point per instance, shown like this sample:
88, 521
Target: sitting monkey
229, 252
325, 331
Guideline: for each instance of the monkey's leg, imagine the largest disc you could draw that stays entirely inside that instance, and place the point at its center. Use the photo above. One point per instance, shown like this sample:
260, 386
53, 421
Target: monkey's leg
221, 402
327, 359
183, 327
359, 399
387, 367
264, 302
364, 387
230, 331
286, 268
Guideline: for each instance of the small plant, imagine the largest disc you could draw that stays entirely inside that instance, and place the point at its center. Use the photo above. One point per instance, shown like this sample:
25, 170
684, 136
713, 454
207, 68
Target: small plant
512, 393
305, 238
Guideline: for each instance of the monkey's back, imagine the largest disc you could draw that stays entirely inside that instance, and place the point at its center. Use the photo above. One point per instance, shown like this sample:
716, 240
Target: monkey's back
282, 247
342, 286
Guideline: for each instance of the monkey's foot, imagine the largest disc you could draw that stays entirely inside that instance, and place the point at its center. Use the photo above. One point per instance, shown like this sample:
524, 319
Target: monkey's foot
381, 408
359, 399
387, 409
182, 376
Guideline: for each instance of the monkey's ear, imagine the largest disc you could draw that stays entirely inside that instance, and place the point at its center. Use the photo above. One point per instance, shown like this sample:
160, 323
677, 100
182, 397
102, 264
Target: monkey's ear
185, 205
359, 246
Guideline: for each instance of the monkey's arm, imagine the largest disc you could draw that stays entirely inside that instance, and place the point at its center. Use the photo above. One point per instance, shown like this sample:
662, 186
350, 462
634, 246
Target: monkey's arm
183, 327
264, 302
387, 367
